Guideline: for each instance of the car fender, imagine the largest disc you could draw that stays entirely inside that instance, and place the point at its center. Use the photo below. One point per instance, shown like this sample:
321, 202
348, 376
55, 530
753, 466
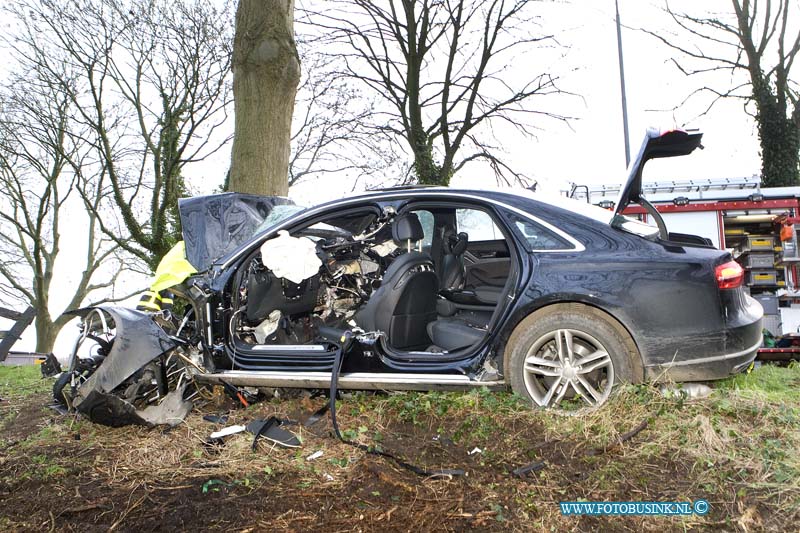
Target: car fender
138, 341
519, 314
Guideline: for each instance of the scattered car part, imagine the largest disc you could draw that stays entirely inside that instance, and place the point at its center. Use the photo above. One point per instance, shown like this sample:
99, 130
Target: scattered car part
50, 367
532, 467
127, 377
216, 419
235, 394
230, 430
270, 429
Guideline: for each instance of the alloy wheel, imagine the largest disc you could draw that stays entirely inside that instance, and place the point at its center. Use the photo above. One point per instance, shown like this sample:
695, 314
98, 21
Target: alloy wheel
568, 367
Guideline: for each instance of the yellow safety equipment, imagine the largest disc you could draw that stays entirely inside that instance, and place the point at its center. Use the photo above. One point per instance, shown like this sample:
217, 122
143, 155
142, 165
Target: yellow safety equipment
150, 301
173, 269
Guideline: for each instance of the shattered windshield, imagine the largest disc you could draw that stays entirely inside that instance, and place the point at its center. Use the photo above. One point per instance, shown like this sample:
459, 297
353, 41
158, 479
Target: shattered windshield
278, 214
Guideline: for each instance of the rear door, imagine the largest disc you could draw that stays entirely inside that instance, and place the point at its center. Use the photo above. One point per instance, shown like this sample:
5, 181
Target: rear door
487, 260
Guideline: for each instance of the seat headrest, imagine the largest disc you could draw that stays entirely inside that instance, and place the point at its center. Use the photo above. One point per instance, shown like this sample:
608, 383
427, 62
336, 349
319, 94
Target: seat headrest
458, 243
407, 227
454, 243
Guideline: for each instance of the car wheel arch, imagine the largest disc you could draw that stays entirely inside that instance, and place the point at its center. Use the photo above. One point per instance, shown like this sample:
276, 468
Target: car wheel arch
574, 306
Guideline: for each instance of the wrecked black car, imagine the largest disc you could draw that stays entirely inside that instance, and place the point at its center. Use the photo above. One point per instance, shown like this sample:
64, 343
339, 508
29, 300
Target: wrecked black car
427, 289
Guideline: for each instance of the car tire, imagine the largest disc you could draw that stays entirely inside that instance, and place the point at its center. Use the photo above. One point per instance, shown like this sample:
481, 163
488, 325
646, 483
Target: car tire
62, 382
569, 357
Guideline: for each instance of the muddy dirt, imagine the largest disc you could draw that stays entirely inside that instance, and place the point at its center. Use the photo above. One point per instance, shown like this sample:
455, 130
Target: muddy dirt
58, 473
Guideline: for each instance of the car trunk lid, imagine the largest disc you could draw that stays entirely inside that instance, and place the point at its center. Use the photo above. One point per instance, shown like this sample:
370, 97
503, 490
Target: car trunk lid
655, 145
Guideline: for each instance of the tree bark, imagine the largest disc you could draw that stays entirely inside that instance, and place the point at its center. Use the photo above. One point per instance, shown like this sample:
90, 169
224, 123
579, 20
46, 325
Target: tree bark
46, 332
266, 72
779, 138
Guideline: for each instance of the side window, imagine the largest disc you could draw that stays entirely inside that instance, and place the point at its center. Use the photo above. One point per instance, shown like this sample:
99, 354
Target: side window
538, 237
426, 219
478, 225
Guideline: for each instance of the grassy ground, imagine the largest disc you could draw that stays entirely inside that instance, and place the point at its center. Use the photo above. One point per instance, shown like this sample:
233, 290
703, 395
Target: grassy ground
738, 449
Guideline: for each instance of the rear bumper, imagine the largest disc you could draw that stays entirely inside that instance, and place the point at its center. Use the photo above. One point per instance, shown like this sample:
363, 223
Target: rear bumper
741, 349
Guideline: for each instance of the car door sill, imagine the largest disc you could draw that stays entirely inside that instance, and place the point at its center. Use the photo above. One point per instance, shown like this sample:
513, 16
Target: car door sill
351, 380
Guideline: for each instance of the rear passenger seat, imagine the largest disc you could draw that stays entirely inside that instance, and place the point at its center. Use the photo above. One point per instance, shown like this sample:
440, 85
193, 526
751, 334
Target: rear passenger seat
458, 328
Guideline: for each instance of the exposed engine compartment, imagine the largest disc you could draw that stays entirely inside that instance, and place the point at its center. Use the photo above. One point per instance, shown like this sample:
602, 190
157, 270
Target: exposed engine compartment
277, 310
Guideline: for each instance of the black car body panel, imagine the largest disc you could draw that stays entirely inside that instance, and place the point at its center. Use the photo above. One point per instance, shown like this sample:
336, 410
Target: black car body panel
215, 225
278, 300
664, 293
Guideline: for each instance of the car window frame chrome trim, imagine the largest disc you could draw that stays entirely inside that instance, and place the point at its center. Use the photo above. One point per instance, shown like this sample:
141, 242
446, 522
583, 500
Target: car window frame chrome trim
577, 245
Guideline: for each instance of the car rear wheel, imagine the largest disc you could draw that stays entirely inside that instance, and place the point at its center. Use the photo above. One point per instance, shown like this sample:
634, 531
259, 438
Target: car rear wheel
569, 357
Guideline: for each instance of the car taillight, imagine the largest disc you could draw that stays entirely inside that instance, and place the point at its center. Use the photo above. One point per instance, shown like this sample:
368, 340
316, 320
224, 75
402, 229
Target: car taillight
729, 275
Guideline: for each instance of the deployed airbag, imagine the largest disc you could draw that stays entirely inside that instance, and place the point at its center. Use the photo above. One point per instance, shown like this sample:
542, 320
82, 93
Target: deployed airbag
292, 258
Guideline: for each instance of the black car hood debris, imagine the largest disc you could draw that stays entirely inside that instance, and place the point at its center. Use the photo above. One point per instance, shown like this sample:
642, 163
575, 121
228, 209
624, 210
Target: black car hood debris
215, 225
110, 410
138, 341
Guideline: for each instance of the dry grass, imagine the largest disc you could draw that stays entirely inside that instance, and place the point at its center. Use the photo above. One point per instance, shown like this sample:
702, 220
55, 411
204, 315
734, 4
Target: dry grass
737, 449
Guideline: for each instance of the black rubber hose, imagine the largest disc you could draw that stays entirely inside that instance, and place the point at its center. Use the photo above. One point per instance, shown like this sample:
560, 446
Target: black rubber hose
337, 367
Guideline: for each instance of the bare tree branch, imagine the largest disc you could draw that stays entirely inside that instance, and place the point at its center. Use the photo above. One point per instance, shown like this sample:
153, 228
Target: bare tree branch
152, 88
439, 70
758, 45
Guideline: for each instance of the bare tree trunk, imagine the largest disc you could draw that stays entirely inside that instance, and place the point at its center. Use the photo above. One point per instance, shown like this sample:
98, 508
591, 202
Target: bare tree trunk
46, 333
266, 72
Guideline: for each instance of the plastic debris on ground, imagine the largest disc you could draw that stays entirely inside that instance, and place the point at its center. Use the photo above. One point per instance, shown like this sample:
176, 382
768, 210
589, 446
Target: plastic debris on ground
687, 390
316, 455
270, 429
216, 419
230, 430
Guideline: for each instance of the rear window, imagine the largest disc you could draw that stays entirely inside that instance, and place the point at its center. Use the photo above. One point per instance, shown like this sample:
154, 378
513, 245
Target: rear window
478, 225
537, 236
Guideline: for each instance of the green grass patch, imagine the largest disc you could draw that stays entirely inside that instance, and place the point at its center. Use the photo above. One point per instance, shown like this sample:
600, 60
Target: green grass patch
22, 380
768, 382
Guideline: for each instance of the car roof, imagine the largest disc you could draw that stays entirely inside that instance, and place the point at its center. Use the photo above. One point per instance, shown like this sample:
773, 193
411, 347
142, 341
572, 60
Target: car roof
501, 194
545, 209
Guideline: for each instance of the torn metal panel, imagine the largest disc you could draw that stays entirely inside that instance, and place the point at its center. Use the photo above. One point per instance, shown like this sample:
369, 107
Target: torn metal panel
171, 411
111, 410
138, 341
217, 224
292, 258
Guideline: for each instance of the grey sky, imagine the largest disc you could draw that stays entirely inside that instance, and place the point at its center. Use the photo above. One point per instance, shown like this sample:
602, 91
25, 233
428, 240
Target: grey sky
590, 149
